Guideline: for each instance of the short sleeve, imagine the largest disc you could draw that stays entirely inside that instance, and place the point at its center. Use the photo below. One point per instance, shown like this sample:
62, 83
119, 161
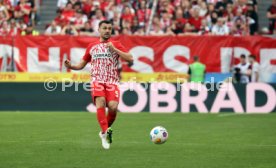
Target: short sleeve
87, 56
256, 67
269, 9
120, 47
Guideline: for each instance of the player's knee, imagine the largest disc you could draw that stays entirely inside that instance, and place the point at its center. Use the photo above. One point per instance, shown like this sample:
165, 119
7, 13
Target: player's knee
113, 107
100, 102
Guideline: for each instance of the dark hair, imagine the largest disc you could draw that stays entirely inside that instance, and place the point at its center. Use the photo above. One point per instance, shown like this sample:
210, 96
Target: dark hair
242, 56
104, 21
196, 58
252, 56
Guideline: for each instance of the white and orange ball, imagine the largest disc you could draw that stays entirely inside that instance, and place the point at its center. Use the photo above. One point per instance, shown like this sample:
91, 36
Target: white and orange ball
159, 135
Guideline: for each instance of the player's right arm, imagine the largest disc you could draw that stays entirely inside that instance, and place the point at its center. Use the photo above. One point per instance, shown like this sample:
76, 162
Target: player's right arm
79, 66
85, 59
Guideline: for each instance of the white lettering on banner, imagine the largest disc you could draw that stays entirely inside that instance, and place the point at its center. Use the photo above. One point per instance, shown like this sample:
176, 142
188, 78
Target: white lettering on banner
226, 59
34, 65
76, 55
156, 98
141, 101
251, 97
5, 53
226, 55
54, 63
169, 58
266, 56
233, 102
197, 101
142, 51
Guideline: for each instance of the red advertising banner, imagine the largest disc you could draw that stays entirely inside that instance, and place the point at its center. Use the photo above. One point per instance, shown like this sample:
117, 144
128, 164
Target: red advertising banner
151, 54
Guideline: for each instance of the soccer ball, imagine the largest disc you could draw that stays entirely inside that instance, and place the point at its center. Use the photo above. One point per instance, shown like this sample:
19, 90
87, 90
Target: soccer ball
159, 135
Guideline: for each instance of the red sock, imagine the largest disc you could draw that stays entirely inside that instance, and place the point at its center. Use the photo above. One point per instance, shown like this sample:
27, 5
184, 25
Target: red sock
111, 116
102, 119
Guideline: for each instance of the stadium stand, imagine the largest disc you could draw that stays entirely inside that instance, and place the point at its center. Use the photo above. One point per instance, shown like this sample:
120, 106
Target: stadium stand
172, 17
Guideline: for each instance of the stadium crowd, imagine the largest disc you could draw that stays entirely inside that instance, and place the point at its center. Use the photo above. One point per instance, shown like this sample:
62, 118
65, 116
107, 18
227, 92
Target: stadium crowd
131, 17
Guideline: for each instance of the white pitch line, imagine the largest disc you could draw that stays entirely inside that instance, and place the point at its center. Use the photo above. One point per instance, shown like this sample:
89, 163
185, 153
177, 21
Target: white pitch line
228, 115
137, 142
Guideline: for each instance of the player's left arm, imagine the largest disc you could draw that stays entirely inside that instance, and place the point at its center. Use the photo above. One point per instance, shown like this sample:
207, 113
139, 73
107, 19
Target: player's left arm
124, 55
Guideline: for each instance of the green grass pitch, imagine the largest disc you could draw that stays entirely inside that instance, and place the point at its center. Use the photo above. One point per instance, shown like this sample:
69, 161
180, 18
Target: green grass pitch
70, 140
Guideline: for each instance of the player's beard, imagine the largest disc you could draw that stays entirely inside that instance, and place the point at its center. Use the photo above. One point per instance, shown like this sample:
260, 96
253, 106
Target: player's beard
105, 37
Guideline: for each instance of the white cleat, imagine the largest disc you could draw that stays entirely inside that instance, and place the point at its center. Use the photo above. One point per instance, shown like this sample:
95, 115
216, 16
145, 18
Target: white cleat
105, 143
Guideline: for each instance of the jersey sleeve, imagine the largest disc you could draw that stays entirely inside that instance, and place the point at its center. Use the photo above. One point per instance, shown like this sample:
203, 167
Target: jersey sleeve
269, 9
120, 47
87, 56
256, 68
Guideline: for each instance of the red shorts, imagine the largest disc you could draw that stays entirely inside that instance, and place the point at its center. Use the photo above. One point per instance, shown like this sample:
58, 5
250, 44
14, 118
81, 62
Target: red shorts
111, 92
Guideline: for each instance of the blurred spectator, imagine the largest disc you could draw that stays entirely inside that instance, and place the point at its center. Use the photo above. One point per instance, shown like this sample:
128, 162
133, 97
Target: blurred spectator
165, 5
87, 30
135, 25
68, 12
61, 4
79, 19
33, 13
143, 13
60, 20
30, 31
126, 31
188, 30
212, 19
179, 21
76, 5
22, 11
2, 18
228, 15
255, 68
220, 28
53, 29
140, 31
204, 28
239, 28
4, 15
184, 17
157, 30
116, 22
252, 17
186, 6
169, 31
242, 71
127, 15
195, 20
95, 20
87, 6
5, 29
203, 9
271, 15
165, 20
69, 29
15, 28
110, 9
240, 5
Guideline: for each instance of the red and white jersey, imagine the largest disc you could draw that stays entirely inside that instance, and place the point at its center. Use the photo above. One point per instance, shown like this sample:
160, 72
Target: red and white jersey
104, 63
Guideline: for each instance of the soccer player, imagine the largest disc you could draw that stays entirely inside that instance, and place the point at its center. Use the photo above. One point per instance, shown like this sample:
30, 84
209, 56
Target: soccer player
104, 54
